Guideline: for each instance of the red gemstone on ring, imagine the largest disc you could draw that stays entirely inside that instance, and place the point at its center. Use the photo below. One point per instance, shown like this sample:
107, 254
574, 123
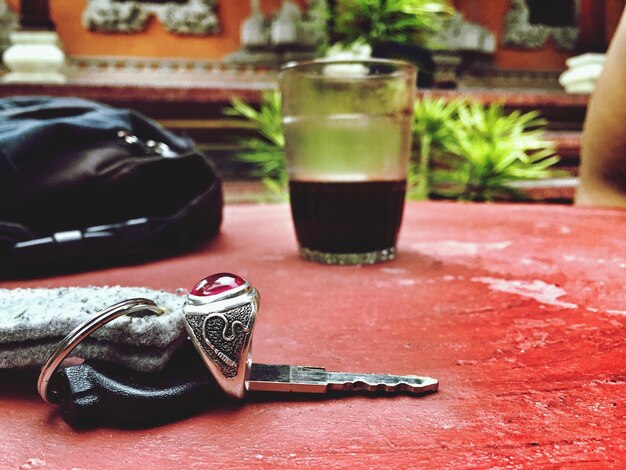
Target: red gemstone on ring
217, 284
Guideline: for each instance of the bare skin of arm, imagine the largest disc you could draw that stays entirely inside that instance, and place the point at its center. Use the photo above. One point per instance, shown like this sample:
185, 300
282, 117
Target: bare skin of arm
603, 159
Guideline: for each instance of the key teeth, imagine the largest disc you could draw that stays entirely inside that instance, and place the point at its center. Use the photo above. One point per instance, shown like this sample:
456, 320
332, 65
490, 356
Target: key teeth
429, 385
381, 387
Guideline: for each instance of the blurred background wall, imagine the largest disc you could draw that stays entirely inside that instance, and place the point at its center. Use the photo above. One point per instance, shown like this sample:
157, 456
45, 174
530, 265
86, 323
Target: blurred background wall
598, 21
155, 41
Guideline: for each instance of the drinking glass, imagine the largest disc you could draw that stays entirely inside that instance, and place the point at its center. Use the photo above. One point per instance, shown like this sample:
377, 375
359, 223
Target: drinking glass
347, 128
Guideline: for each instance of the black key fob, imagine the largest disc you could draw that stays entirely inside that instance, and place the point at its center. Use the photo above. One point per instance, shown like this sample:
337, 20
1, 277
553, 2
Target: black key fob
97, 393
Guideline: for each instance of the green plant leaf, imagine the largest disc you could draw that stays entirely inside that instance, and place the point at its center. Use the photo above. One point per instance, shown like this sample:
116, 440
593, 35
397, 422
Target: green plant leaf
265, 153
387, 20
477, 151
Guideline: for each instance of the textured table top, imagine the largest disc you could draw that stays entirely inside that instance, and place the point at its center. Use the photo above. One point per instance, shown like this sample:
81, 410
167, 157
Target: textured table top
518, 310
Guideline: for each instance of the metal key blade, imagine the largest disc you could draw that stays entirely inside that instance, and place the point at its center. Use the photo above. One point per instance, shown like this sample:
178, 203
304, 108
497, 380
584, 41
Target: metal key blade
305, 379
411, 384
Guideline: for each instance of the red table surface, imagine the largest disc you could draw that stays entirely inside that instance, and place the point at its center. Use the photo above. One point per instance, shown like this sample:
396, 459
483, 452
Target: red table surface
518, 310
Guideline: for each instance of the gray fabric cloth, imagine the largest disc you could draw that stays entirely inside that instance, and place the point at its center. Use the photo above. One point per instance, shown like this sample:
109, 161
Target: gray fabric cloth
33, 321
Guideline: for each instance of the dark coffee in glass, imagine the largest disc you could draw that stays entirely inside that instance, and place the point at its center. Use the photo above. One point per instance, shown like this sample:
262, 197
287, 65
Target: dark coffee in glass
342, 218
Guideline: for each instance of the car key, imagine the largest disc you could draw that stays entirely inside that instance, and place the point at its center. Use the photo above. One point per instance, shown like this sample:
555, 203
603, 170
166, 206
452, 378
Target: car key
219, 316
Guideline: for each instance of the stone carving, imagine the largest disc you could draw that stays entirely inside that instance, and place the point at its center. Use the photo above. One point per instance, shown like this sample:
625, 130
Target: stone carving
519, 32
457, 34
195, 17
254, 31
459, 43
291, 34
8, 23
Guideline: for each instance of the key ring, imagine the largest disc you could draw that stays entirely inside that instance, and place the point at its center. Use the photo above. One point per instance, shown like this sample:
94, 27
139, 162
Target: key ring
82, 331
219, 317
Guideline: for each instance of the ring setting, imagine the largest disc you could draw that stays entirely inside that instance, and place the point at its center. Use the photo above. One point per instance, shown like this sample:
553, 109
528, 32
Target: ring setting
219, 316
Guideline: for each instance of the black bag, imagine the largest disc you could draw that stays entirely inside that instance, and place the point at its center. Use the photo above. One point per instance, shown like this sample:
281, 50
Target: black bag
82, 183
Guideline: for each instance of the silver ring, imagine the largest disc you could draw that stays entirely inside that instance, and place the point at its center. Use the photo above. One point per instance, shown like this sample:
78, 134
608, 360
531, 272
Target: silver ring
219, 316
82, 331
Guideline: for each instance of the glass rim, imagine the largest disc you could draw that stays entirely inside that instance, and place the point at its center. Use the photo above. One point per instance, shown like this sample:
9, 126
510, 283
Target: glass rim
402, 67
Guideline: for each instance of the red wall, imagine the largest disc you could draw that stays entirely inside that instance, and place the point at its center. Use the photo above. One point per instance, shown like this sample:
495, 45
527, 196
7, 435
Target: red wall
155, 41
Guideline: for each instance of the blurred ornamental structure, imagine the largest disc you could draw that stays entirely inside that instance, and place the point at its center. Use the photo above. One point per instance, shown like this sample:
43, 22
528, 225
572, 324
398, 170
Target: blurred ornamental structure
458, 34
190, 17
529, 24
290, 34
8, 23
35, 53
460, 44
